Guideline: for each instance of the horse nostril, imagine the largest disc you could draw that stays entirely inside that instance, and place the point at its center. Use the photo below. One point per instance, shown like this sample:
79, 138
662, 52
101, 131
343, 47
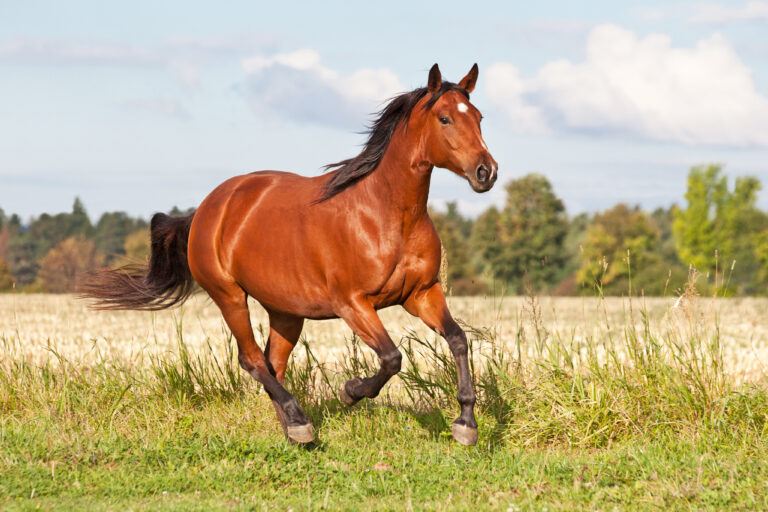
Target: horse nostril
482, 173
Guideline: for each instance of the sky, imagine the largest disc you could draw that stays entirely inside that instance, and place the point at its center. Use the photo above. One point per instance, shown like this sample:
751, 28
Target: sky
138, 106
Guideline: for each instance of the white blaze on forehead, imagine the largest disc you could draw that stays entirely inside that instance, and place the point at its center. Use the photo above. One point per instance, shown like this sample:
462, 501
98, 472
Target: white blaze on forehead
462, 107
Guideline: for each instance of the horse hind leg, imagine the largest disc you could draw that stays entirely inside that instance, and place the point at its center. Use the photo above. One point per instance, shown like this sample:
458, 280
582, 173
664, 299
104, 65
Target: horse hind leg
234, 306
284, 332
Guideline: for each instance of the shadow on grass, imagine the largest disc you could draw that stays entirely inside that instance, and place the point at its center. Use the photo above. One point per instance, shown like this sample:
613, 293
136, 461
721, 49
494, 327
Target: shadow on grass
429, 418
427, 395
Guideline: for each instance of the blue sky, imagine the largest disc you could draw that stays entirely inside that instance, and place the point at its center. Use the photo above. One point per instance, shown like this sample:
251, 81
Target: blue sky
138, 106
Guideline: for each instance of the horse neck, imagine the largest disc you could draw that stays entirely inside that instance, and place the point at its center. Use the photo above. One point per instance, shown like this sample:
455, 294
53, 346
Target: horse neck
400, 184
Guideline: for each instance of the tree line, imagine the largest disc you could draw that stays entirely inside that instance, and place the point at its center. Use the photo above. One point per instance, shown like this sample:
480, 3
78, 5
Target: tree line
530, 245
49, 252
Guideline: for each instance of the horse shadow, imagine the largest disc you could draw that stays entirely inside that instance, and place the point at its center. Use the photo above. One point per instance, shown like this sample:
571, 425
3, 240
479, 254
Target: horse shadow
432, 419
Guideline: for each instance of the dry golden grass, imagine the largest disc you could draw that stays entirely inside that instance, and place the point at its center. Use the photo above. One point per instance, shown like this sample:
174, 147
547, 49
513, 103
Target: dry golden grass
582, 404
32, 325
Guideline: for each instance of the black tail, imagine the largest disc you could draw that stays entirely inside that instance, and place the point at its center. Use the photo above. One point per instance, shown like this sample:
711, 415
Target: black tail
166, 281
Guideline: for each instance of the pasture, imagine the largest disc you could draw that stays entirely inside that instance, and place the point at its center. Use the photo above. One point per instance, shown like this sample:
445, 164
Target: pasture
583, 403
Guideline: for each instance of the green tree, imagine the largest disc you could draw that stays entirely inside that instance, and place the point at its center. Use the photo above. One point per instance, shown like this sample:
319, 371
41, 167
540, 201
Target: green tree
111, 232
663, 219
7, 231
761, 254
723, 222
533, 226
486, 242
21, 256
742, 224
694, 227
136, 248
621, 242
451, 226
572, 245
77, 222
29, 245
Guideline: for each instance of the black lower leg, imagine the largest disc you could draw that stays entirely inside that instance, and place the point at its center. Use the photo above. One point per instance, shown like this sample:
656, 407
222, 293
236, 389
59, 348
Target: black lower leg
287, 402
457, 341
370, 387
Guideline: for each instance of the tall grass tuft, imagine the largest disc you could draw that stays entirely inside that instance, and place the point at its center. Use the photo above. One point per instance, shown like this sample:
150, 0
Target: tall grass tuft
198, 378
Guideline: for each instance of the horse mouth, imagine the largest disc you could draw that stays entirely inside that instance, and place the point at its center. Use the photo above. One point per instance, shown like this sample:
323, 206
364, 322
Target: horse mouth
481, 186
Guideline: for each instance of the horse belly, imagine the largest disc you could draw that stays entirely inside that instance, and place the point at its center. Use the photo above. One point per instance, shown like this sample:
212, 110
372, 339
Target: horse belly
283, 280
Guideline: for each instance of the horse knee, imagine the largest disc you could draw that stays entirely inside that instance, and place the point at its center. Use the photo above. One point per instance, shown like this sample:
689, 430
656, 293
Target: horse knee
391, 362
244, 363
258, 369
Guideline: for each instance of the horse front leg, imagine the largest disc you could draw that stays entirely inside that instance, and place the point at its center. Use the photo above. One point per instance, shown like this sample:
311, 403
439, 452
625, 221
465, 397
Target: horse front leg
429, 305
363, 320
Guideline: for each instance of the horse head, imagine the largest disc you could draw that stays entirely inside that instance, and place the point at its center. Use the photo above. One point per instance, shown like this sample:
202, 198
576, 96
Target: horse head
452, 132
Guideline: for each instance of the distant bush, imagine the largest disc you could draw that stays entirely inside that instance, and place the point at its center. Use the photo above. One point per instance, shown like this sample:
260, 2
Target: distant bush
60, 268
6, 279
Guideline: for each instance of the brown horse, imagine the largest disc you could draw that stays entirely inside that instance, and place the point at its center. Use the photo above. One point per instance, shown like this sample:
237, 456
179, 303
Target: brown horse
340, 245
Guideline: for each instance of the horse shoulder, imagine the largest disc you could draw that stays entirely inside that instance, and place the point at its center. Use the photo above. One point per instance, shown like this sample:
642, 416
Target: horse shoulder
423, 253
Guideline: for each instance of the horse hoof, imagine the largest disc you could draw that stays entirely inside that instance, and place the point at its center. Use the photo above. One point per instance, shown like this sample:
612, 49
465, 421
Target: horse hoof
301, 433
464, 434
344, 396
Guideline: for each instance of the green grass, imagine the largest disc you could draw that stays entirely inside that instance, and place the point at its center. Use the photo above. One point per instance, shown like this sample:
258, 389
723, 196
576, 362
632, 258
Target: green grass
647, 420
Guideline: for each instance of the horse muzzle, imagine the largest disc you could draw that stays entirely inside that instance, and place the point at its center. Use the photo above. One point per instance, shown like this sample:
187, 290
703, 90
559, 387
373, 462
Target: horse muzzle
482, 178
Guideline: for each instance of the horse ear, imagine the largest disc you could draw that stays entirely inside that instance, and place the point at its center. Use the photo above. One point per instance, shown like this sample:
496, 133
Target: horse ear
468, 82
435, 80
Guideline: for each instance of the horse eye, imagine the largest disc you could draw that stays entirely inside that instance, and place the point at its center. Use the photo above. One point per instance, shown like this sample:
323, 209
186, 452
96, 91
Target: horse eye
445, 120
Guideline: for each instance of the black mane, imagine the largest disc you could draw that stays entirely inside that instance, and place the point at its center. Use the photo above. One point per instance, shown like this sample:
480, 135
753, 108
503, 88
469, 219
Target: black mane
350, 171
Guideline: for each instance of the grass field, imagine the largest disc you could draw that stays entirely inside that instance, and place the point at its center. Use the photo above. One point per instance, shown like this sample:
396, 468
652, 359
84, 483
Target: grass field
582, 404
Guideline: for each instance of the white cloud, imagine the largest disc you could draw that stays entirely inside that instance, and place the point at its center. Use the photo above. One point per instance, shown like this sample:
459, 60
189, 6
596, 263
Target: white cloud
304, 59
718, 13
642, 87
297, 84
507, 88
